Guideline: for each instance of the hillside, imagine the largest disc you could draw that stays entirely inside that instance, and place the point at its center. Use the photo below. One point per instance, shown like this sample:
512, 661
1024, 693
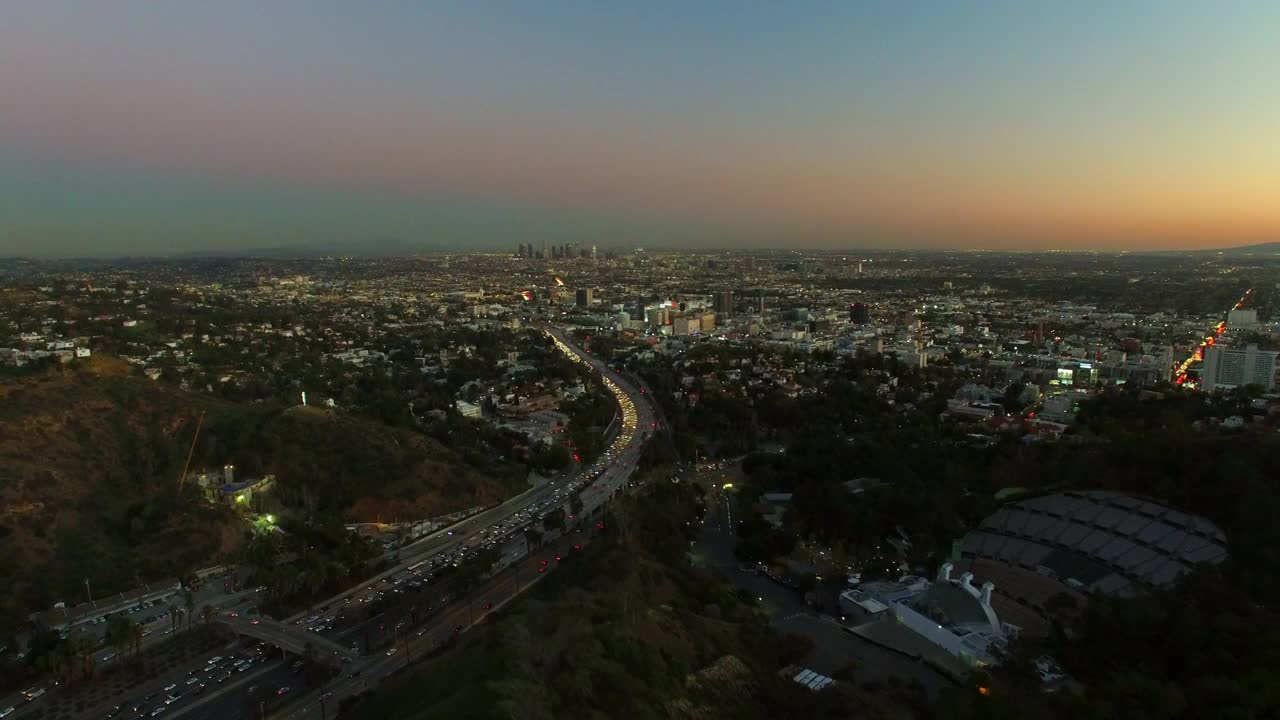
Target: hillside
89, 462
626, 629
360, 470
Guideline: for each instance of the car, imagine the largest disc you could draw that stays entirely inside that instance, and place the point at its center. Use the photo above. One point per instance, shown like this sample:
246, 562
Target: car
193, 680
6, 712
255, 621
284, 690
391, 652
159, 709
170, 687
326, 695
199, 689
354, 673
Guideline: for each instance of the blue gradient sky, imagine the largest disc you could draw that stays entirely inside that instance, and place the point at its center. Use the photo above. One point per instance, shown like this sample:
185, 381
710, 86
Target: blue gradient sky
129, 126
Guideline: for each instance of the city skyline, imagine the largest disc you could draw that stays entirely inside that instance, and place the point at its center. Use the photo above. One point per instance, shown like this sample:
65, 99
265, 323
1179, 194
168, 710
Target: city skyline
132, 128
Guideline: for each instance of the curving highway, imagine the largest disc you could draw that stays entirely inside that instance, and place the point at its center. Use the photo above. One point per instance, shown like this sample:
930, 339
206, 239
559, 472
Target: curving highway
498, 527
501, 527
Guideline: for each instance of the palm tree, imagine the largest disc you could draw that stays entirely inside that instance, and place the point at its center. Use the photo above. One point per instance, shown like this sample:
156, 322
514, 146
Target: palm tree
82, 647
117, 635
135, 636
64, 659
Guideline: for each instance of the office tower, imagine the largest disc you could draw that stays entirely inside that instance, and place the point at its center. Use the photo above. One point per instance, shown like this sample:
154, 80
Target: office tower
584, 297
859, 314
686, 325
1226, 368
723, 303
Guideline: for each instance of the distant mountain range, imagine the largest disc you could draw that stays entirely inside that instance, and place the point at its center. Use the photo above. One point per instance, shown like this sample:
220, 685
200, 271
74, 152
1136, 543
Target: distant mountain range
376, 247
1270, 248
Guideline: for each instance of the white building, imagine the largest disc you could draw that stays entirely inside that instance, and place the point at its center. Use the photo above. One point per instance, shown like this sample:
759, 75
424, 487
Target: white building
958, 618
1226, 368
467, 410
1242, 319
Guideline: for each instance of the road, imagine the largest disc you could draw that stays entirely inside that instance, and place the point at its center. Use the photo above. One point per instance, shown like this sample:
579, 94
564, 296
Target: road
216, 592
436, 632
834, 649
499, 527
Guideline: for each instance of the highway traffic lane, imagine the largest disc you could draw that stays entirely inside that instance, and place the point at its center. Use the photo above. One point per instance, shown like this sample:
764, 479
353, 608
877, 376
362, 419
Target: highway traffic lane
226, 699
613, 479
440, 629
430, 547
155, 685
229, 702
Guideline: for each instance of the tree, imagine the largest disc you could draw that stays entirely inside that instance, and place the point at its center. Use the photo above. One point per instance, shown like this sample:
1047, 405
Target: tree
553, 457
81, 650
189, 606
206, 614
120, 632
554, 520
478, 565
135, 635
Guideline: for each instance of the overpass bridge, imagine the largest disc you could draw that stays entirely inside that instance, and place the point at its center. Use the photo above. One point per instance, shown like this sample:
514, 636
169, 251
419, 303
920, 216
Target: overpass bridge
291, 638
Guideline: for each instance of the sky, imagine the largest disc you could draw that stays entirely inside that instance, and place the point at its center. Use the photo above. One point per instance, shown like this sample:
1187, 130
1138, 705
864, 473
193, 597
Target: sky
143, 127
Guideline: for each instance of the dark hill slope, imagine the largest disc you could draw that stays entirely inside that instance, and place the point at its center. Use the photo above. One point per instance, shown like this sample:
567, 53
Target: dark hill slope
89, 464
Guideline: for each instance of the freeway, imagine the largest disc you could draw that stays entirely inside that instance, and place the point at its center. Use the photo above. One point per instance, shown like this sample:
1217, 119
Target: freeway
287, 637
1181, 373
156, 625
500, 527
435, 633
492, 527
